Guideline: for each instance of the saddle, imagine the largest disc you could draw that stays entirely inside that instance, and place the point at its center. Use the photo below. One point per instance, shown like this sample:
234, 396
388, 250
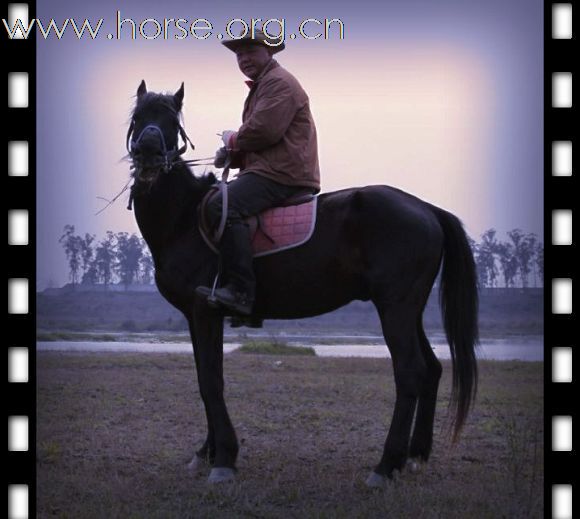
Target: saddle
274, 230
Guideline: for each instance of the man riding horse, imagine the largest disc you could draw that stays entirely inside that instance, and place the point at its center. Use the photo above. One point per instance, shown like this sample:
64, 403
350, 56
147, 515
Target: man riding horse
370, 243
276, 152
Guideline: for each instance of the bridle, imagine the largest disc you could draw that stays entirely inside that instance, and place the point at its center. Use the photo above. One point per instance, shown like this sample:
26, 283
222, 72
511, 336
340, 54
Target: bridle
169, 156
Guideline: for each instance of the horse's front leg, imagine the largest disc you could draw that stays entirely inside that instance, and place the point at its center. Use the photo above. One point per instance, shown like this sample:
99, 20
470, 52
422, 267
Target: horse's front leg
206, 454
203, 457
209, 328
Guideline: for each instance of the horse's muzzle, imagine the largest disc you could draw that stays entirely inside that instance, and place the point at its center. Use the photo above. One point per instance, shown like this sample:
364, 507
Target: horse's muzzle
149, 161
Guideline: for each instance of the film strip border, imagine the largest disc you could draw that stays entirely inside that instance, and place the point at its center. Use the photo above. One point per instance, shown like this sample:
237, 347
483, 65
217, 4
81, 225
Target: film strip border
19, 121
561, 138
561, 260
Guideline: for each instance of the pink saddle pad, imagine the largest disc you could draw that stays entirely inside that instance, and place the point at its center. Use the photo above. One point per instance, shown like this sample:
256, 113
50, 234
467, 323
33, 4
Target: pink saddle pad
282, 228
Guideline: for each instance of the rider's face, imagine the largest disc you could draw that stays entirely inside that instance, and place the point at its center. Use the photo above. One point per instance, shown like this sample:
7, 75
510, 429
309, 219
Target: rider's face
252, 59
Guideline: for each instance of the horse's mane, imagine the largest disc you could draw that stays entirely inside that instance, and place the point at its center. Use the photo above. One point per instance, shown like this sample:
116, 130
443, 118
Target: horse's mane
201, 183
205, 181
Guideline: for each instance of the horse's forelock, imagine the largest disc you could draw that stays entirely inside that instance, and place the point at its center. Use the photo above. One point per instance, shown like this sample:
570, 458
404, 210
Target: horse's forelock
151, 99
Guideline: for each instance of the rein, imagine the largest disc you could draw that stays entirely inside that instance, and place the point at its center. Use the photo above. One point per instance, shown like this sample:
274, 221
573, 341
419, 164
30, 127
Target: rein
112, 201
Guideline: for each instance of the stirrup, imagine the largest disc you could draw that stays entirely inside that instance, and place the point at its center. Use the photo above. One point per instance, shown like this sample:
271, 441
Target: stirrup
209, 295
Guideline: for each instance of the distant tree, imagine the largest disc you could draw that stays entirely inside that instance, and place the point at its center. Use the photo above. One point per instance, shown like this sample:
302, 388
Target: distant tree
508, 262
146, 267
73, 250
517, 238
105, 259
473, 245
531, 244
91, 276
523, 253
480, 269
88, 259
486, 258
128, 255
539, 259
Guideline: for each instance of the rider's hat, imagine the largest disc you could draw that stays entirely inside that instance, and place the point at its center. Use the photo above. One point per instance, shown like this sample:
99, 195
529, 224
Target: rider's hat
259, 38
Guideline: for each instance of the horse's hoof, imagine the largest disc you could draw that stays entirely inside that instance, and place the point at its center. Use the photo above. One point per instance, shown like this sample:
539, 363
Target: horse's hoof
414, 465
221, 475
376, 480
197, 464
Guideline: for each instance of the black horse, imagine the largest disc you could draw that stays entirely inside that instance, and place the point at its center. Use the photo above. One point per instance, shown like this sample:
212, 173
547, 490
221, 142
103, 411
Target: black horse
372, 243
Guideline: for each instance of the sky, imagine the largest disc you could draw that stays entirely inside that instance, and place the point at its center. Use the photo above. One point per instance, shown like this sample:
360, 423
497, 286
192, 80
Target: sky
441, 99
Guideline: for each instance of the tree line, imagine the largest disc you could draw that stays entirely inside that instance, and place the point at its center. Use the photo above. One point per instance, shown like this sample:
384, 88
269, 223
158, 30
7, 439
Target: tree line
123, 258
517, 262
118, 258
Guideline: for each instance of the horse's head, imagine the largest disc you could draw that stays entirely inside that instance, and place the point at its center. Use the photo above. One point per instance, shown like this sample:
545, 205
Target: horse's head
152, 139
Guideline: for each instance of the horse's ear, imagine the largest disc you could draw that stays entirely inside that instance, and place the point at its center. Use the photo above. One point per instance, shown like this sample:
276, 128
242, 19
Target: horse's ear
178, 97
142, 90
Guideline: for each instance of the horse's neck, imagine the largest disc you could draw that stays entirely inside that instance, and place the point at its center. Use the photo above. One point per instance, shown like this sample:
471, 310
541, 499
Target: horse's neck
166, 211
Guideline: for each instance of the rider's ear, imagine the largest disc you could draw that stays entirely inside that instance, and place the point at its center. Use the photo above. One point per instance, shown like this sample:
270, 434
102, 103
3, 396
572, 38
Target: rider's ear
178, 98
142, 90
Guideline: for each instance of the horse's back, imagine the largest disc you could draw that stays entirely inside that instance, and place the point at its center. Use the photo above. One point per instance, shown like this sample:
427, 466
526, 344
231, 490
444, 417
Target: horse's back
384, 210
400, 241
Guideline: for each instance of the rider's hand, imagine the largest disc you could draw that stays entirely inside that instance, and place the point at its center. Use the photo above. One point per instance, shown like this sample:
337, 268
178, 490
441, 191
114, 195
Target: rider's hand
221, 156
227, 138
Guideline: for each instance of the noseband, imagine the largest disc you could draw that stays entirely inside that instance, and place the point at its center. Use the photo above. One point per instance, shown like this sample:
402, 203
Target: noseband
169, 156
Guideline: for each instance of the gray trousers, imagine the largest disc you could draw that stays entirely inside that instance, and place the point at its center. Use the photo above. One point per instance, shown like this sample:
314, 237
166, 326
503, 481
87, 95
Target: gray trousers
248, 195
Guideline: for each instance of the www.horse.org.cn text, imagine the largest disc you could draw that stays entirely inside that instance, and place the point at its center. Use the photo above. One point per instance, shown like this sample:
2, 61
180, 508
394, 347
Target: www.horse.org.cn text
177, 29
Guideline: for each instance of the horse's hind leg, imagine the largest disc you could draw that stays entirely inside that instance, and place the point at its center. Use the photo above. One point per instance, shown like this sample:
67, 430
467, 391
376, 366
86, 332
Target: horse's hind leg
422, 439
400, 332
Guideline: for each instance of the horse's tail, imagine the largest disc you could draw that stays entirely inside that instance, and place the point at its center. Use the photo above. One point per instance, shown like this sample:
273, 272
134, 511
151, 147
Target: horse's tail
459, 307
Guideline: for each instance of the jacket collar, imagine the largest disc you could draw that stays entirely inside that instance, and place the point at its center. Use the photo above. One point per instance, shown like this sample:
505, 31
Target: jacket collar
272, 64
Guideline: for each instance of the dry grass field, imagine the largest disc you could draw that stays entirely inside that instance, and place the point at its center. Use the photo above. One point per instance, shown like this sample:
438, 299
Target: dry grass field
115, 432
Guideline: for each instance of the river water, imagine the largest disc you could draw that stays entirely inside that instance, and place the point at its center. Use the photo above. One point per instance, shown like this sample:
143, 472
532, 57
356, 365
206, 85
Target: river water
526, 348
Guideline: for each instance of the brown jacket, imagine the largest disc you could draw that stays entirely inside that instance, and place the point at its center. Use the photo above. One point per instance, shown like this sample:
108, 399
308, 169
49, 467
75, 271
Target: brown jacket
278, 137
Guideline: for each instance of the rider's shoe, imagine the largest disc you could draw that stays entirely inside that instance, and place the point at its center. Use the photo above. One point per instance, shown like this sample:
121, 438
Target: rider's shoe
228, 298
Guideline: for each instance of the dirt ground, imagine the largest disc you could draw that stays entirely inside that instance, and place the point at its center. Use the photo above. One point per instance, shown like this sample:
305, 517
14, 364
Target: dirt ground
115, 432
